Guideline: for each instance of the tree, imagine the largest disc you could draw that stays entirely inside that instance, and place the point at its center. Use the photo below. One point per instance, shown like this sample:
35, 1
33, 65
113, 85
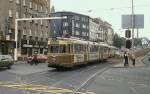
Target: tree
137, 41
118, 41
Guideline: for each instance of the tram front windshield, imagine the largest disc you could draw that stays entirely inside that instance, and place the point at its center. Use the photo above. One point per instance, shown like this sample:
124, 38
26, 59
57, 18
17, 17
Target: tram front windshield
57, 48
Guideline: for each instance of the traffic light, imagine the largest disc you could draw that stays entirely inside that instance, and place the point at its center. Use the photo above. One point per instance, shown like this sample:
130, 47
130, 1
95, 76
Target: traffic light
128, 33
128, 44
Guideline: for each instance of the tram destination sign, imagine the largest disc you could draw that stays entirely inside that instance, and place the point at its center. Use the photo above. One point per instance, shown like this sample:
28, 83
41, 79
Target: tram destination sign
138, 21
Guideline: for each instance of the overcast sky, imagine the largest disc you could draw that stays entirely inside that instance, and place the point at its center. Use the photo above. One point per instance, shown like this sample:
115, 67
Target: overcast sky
108, 10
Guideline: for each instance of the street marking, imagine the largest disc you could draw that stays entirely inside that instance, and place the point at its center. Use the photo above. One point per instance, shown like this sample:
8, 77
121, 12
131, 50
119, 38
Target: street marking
39, 88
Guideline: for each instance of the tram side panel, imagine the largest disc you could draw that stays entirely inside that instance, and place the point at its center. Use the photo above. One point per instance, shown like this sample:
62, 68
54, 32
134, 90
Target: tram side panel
60, 60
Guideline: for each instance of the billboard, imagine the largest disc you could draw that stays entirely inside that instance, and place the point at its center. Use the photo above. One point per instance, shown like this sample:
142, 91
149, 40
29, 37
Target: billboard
138, 21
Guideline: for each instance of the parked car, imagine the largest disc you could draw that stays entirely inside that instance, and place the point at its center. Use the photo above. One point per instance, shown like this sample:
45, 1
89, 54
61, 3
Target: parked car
148, 55
40, 59
6, 61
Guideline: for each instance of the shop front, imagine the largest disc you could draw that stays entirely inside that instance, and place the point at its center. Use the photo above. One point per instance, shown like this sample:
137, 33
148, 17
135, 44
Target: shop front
6, 47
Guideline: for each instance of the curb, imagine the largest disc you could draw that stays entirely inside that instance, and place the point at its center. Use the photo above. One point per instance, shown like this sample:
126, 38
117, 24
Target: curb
139, 63
20, 62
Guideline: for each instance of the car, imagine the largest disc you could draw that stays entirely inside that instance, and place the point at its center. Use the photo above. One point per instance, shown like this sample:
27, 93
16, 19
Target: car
148, 55
40, 59
6, 61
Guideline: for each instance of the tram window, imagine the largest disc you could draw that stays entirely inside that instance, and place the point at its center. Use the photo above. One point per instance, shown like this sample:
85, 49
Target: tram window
57, 49
93, 48
70, 48
62, 49
54, 48
77, 48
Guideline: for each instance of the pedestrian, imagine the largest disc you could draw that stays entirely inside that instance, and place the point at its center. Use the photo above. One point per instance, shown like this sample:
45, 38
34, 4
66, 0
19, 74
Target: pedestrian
133, 60
35, 60
126, 59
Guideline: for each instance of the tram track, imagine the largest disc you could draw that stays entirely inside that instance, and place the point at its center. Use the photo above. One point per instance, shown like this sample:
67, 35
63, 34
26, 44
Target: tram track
65, 74
79, 78
82, 80
48, 76
90, 79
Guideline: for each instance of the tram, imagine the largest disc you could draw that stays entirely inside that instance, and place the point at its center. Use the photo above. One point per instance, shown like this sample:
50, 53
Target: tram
69, 52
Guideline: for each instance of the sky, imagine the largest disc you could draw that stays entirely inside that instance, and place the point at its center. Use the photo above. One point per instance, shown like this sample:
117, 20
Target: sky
108, 10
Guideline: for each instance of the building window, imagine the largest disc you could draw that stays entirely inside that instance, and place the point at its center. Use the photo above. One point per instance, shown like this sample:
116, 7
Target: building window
30, 32
84, 19
77, 33
36, 21
23, 51
77, 25
42, 34
10, 13
10, 0
84, 33
46, 35
77, 18
35, 33
64, 32
24, 2
17, 14
24, 31
24, 15
65, 23
41, 8
17, 1
36, 7
30, 4
84, 26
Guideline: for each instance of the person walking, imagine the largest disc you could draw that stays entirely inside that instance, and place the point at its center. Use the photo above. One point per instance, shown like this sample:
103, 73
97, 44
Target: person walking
35, 60
126, 59
133, 60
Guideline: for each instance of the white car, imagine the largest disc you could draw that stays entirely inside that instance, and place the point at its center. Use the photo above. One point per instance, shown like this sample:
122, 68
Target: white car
6, 61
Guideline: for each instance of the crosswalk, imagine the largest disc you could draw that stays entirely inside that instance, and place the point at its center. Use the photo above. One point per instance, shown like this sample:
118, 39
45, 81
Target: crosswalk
39, 88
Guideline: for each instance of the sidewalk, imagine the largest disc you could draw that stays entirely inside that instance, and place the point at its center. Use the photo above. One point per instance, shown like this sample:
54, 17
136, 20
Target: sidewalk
138, 63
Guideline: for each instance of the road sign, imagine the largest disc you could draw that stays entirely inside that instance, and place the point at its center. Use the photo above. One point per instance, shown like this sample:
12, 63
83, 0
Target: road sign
138, 21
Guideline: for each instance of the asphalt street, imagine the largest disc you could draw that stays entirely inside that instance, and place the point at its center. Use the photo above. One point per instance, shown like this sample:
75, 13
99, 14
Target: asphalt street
132, 80
99, 78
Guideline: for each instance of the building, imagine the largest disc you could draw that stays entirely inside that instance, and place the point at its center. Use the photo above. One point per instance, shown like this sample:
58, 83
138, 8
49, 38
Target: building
75, 25
108, 33
81, 26
32, 35
96, 29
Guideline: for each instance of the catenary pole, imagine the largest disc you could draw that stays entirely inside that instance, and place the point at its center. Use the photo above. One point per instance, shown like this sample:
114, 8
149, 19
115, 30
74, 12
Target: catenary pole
132, 25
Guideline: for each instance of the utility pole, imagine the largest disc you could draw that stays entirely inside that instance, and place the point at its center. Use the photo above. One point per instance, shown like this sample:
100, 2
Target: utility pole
132, 25
137, 32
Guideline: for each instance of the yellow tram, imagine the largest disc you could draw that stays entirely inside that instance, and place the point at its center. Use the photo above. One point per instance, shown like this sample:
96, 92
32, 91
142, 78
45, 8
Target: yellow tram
69, 52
